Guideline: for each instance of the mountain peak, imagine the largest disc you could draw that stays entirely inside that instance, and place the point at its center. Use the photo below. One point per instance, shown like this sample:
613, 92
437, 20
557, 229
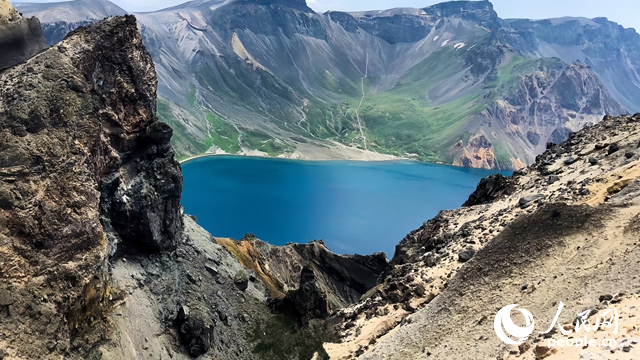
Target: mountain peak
480, 11
71, 11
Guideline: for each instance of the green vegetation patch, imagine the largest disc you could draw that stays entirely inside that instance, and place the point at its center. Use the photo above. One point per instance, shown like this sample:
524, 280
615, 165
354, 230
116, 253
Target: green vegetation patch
183, 143
222, 134
261, 141
400, 125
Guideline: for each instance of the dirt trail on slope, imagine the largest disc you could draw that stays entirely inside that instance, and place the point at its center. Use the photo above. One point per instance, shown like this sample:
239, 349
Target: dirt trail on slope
366, 74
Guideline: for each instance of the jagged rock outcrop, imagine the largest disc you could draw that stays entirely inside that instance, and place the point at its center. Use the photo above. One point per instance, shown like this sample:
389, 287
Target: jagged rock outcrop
308, 280
86, 170
490, 189
20, 38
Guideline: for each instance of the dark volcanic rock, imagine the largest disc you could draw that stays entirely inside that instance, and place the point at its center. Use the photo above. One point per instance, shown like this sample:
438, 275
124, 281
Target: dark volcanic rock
141, 204
613, 148
466, 255
309, 301
490, 189
529, 199
604, 298
341, 280
20, 39
85, 171
196, 335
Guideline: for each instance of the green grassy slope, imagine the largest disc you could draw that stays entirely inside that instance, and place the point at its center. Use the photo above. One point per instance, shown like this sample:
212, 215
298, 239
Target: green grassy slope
402, 121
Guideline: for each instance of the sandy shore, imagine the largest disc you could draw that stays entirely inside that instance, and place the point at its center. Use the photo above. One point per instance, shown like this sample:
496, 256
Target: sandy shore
312, 153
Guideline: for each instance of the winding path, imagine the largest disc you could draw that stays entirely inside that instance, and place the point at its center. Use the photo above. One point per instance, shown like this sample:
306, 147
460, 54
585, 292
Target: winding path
366, 74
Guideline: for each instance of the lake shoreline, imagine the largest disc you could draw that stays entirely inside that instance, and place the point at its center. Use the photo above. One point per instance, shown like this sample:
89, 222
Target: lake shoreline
346, 160
371, 160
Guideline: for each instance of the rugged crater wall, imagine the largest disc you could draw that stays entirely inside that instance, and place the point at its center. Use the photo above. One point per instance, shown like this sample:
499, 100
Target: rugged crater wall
86, 170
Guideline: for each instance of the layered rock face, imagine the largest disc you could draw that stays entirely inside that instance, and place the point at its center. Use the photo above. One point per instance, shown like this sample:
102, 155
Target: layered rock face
86, 170
545, 105
308, 281
20, 38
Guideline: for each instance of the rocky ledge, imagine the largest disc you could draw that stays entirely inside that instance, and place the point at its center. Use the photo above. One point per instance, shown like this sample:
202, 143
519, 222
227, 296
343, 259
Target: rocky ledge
86, 173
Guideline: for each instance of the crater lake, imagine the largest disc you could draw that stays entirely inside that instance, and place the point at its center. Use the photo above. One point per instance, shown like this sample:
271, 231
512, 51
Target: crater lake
355, 207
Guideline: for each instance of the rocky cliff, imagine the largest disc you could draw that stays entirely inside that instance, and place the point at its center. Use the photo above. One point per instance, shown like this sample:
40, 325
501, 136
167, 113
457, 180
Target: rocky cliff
308, 281
87, 171
474, 89
563, 229
97, 259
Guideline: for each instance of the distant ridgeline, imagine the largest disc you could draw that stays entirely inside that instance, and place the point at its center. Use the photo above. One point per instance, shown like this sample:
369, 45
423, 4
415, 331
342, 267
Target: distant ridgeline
449, 83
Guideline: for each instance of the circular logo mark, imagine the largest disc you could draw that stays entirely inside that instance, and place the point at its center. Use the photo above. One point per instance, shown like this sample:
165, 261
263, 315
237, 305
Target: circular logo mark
503, 320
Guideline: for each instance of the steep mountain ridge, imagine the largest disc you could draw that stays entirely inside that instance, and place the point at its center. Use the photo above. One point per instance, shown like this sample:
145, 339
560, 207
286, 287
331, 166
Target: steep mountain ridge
59, 18
608, 48
274, 78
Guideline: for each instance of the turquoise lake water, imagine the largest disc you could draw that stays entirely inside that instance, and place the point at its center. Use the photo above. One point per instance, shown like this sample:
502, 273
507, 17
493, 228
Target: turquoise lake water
356, 207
